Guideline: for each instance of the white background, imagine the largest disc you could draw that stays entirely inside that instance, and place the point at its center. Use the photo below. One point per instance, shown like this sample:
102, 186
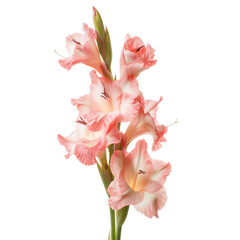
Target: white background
43, 195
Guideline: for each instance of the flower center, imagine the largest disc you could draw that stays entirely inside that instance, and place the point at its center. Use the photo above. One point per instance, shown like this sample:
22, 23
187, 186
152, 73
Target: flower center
135, 179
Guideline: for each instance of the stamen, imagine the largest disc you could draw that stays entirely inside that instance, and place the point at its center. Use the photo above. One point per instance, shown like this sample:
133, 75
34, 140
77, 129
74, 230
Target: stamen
81, 121
138, 49
78, 43
59, 54
141, 172
176, 121
104, 94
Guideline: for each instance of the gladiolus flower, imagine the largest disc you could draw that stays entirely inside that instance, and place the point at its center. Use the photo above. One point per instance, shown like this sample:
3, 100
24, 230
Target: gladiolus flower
136, 57
138, 181
86, 144
82, 49
106, 103
145, 123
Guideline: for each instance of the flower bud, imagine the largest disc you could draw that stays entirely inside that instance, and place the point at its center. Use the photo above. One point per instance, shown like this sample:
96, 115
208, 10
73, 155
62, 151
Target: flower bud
103, 39
107, 50
98, 23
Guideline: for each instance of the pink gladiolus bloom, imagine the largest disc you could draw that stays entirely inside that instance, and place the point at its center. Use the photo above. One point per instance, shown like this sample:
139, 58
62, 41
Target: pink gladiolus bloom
85, 144
138, 181
106, 103
136, 57
145, 123
82, 49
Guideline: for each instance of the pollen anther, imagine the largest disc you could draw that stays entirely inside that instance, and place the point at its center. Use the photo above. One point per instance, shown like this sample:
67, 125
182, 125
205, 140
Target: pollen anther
138, 49
78, 43
104, 94
81, 121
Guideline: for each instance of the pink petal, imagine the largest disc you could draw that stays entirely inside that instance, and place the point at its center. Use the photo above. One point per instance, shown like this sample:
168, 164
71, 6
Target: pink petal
116, 163
138, 160
158, 177
66, 63
97, 121
85, 150
133, 69
82, 49
86, 155
152, 203
113, 135
149, 55
129, 85
135, 57
86, 144
83, 104
92, 56
159, 137
129, 108
67, 144
141, 124
118, 200
151, 105
152, 186
161, 171
101, 86
145, 123
89, 32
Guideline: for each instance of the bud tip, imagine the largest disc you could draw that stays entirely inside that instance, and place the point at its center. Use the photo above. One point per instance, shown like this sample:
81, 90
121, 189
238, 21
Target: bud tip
94, 11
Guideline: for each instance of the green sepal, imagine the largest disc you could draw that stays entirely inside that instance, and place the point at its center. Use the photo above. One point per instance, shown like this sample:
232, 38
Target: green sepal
105, 179
107, 50
100, 44
103, 40
122, 215
106, 72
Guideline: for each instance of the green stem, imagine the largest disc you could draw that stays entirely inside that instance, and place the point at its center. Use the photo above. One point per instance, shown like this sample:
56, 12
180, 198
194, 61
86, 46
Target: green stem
112, 216
121, 218
104, 178
118, 234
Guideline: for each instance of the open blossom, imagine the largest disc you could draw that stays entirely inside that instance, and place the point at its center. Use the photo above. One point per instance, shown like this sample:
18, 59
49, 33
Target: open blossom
138, 181
82, 49
107, 102
86, 144
136, 57
145, 123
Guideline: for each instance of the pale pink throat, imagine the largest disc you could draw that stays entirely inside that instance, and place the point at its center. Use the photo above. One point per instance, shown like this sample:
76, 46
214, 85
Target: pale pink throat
135, 179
